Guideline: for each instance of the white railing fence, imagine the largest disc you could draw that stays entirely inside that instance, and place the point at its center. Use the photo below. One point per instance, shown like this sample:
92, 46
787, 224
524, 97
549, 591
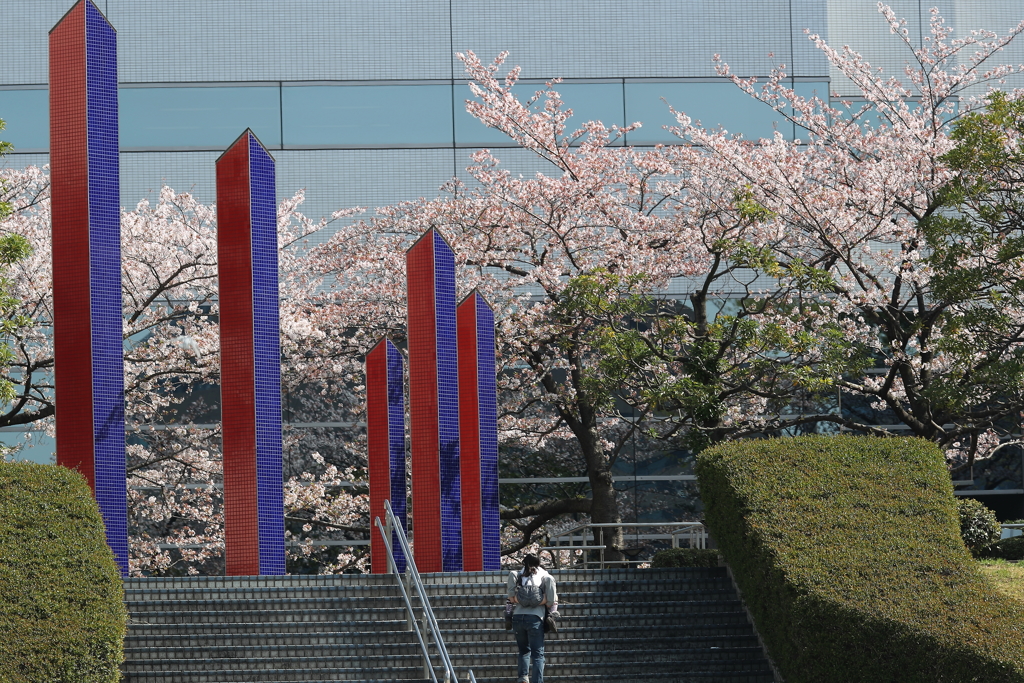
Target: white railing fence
577, 546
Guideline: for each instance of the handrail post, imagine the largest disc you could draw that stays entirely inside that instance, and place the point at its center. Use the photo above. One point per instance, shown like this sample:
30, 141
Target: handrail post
393, 567
430, 622
408, 587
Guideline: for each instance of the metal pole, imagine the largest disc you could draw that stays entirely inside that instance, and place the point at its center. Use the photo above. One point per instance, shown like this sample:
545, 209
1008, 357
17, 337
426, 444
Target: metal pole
428, 672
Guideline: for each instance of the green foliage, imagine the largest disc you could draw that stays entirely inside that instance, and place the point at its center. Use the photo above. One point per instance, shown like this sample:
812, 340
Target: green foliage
982, 138
5, 147
974, 251
62, 615
684, 361
1007, 549
647, 353
685, 557
749, 210
848, 553
979, 526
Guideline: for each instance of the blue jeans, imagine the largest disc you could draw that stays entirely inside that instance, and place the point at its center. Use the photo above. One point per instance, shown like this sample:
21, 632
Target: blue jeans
529, 632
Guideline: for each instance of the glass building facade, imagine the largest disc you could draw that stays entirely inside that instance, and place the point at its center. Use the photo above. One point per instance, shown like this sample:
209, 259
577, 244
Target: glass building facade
362, 104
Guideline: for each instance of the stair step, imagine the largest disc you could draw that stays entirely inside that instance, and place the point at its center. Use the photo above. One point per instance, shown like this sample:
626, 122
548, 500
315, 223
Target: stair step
184, 626
210, 675
484, 593
373, 662
747, 672
570, 621
353, 628
661, 614
339, 651
684, 659
484, 653
283, 603
440, 603
289, 581
455, 641
567, 624
259, 616
612, 670
752, 676
557, 643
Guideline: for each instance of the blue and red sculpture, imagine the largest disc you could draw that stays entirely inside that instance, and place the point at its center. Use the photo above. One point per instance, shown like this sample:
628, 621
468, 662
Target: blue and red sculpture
451, 356
454, 412
385, 444
87, 321
250, 348
478, 422
434, 404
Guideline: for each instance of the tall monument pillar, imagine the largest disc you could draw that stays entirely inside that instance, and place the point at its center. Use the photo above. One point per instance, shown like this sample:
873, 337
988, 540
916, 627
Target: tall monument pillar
478, 423
434, 405
250, 354
385, 445
87, 319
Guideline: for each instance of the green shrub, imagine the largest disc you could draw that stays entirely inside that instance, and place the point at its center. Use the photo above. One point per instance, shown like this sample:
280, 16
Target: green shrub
62, 615
849, 556
979, 526
685, 557
1007, 549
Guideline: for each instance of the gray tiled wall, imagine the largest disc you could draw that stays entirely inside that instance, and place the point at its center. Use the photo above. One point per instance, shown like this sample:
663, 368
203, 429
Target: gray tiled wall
355, 98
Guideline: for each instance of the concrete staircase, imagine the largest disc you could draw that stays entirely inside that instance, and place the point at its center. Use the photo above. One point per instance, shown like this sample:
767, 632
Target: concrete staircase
671, 625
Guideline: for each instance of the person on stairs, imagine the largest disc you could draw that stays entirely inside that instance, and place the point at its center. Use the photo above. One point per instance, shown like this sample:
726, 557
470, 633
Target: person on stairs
532, 591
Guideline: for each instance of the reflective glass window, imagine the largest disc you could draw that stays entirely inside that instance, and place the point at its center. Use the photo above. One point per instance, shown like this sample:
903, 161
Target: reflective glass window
367, 115
808, 90
713, 104
27, 115
588, 101
198, 117
873, 116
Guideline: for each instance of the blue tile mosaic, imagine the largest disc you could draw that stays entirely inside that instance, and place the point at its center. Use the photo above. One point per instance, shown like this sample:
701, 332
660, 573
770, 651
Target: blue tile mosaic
448, 405
396, 444
266, 359
105, 280
488, 417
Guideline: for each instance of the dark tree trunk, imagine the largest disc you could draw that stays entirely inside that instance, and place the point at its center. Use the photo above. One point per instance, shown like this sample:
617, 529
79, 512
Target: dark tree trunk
604, 508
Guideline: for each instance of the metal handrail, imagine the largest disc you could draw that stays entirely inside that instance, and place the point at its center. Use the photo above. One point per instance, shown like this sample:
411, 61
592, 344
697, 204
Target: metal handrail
413, 576
408, 605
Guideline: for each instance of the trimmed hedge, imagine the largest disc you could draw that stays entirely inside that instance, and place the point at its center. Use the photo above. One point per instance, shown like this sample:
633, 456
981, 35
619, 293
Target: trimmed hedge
685, 557
1007, 549
979, 526
62, 614
848, 553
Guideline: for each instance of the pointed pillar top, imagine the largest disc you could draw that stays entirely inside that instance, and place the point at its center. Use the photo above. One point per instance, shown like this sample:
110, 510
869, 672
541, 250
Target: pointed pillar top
82, 3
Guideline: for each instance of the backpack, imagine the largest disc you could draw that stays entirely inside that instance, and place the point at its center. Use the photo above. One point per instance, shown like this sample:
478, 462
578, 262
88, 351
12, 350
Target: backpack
529, 595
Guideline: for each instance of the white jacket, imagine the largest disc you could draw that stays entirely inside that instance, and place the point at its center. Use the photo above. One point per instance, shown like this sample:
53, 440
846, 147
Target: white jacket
538, 578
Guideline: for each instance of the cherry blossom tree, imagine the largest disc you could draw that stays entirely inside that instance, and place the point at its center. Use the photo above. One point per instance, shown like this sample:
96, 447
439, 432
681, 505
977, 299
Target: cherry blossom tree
916, 293
171, 372
844, 221
525, 243
12, 248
